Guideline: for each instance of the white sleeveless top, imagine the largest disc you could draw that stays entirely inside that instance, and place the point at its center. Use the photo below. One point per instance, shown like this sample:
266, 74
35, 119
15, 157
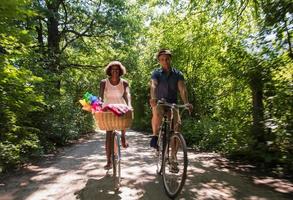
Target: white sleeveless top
113, 94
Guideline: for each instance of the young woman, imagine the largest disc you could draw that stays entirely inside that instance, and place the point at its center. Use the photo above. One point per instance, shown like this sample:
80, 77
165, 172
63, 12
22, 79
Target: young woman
114, 90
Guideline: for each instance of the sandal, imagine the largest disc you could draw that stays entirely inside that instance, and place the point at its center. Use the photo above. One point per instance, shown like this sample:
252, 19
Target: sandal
108, 166
124, 143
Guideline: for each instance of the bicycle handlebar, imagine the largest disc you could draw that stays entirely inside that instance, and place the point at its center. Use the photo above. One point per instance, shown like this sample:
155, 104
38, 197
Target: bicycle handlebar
172, 105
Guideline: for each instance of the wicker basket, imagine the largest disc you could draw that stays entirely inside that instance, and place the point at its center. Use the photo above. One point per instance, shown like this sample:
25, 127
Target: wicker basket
109, 121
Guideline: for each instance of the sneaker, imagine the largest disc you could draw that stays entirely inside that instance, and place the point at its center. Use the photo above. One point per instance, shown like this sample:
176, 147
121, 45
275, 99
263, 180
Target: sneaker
154, 142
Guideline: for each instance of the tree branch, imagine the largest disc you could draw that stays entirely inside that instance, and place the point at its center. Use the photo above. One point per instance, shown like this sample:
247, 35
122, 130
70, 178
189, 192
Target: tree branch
289, 40
66, 21
81, 66
80, 34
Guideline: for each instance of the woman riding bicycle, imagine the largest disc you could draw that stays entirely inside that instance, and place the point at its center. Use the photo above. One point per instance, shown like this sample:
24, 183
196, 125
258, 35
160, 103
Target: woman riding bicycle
114, 90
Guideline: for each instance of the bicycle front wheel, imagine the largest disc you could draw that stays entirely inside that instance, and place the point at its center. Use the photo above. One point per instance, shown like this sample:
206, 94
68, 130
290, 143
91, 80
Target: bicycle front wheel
160, 149
116, 159
174, 165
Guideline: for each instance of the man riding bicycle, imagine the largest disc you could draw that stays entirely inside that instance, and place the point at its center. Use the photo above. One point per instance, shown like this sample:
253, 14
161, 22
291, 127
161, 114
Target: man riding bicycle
165, 84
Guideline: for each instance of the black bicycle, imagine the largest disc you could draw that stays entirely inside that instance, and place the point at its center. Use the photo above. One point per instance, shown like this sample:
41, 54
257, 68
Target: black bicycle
172, 159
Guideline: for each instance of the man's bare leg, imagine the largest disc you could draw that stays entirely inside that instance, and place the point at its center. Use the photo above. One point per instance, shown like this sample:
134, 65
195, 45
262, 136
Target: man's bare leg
156, 122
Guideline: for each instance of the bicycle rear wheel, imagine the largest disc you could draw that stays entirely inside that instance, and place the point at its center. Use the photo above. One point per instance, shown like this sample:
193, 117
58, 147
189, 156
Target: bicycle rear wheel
116, 159
174, 165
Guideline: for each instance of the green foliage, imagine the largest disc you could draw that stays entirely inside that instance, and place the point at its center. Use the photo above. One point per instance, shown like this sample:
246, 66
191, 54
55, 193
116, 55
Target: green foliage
10, 156
61, 127
211, 135
18, 99
19, 147
222, 48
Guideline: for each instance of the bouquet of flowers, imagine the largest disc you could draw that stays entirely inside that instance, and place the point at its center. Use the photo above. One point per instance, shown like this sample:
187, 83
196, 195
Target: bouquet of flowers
91, 103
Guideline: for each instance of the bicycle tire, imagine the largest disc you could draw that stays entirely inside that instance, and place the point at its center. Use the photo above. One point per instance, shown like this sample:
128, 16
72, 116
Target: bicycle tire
174, 181
116, 159
160, 150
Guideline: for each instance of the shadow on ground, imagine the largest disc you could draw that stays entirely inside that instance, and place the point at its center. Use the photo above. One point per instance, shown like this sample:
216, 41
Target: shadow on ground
99, 189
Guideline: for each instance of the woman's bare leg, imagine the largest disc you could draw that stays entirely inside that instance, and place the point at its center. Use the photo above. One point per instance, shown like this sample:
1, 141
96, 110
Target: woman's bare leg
123, 139
108, 148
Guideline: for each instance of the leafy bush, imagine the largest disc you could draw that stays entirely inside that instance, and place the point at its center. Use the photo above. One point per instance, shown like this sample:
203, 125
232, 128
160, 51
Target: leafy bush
18, 147
18, 98
10, 155
225, 136
66, 121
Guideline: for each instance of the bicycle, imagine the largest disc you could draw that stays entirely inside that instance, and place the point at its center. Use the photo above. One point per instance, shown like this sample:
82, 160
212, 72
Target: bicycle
116, 157
172, 158
110, 122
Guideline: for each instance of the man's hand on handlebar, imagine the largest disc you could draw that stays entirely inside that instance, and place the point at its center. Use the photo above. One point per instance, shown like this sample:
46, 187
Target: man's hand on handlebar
153, 102
189, 107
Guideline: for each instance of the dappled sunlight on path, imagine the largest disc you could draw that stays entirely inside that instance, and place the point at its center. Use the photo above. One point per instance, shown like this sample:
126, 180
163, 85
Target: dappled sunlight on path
77, 173
209, 177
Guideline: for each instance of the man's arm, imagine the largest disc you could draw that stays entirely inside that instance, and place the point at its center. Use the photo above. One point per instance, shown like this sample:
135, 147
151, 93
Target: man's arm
153, 100
183, 91
184, 95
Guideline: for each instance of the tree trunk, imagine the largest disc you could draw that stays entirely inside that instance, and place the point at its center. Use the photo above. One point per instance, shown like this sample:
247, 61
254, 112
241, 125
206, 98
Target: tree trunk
258, 130
39, 29
289, 40
54, 40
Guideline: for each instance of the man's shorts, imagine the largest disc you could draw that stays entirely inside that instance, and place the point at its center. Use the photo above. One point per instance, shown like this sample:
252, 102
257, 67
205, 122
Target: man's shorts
161, 110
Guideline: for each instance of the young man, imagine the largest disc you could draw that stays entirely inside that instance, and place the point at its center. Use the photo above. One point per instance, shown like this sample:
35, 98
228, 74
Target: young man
165, 83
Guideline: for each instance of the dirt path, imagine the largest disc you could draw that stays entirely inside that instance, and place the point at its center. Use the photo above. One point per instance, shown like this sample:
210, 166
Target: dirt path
77, 173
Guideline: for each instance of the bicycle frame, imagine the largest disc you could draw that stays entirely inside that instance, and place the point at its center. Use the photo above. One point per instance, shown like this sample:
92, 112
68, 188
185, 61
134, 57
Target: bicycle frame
165, 159
165, 124
117, 147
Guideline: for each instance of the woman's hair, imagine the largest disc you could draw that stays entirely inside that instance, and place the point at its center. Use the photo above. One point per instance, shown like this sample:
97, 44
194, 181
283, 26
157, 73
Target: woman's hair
115, 63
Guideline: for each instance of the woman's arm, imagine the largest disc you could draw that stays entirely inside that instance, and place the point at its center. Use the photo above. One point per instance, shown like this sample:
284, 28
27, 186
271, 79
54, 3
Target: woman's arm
127, 95
102, 89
